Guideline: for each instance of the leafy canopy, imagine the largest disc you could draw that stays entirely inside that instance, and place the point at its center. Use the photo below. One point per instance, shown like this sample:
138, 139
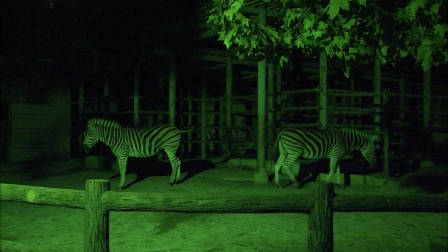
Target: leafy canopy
353, 31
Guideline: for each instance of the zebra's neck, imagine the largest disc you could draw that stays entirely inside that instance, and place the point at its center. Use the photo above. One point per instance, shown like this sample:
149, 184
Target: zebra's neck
109, 136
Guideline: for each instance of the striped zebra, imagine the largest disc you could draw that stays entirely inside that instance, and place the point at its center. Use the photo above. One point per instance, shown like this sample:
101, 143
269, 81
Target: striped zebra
131, 142
332, 143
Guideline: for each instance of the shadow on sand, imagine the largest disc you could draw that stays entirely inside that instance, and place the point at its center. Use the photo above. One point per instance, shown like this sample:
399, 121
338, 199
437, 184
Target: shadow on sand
145, 168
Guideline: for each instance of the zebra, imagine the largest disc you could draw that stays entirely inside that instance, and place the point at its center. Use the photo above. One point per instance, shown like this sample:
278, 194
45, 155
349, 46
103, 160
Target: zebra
131, 142
331, 143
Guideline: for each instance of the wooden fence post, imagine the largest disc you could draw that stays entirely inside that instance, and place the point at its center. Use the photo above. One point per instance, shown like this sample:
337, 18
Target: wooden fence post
96, 233
320, 223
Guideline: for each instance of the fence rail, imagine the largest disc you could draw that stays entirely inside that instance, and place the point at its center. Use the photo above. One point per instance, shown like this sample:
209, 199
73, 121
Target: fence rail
97, 201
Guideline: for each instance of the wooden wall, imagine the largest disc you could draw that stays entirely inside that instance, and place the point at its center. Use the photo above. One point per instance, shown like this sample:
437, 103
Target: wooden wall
40, 132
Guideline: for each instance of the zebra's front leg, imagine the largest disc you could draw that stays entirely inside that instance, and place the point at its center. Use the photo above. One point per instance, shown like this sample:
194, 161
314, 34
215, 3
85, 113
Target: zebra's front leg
334, 165
122, 162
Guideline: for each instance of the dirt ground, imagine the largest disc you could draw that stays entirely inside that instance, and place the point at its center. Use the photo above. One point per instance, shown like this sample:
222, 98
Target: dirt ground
48, 228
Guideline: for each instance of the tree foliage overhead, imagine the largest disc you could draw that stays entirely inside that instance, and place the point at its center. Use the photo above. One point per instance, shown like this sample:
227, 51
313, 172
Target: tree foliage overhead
349, 30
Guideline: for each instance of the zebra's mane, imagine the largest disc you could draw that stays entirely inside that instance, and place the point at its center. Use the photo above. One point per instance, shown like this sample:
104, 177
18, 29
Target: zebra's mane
105, 123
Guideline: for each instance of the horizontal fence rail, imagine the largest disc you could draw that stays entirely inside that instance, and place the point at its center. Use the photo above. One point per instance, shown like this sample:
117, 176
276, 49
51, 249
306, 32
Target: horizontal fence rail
320, 204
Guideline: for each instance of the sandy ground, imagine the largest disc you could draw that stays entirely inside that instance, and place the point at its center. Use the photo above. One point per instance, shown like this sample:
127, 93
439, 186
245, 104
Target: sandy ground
48, 228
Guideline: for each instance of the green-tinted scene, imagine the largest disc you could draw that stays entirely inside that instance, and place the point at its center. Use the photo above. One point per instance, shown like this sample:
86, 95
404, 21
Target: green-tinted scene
224, 125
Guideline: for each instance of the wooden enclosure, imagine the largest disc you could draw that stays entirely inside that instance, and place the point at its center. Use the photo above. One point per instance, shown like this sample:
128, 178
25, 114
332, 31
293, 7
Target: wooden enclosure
238, 106
98, 201
35, 120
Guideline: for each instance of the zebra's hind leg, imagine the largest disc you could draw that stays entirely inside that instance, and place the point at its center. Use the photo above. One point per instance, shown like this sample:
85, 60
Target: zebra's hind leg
290, 175
175, 166
278, 165
338, 178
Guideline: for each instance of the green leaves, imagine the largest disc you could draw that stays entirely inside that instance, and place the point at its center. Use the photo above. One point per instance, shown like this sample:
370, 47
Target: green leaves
348, 30
335, 5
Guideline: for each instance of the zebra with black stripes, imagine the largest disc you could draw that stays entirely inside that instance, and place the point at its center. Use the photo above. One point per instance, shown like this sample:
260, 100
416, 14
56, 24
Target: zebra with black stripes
331, 143
131, 142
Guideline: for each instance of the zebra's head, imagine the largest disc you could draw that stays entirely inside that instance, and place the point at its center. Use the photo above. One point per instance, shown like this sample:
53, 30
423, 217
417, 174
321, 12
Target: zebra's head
90, 137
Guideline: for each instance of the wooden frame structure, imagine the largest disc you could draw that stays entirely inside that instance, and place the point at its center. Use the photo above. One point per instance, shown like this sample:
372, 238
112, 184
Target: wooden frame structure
97, 201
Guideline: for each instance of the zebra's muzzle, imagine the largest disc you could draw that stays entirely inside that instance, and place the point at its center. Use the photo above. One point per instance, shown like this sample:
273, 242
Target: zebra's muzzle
86, 149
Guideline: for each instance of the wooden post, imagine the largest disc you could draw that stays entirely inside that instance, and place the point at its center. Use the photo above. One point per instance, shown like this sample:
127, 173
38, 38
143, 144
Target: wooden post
377, 90
136, 95
427, 111
229, 77
204, 118
270, 109
320, 223
229, 91
172, 95
190, 118
386, 140
80, 116
278, 91
262, 176
401, 108
323, 97
96, 233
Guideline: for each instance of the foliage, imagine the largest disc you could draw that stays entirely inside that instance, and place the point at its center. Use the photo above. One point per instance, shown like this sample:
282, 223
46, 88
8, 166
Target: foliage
352, 31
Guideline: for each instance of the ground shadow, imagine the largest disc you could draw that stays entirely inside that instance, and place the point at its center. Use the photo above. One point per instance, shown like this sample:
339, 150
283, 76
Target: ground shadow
146, 167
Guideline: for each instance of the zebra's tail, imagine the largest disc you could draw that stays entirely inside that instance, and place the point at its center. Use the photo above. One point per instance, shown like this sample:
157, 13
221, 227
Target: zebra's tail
375, 138
276, 148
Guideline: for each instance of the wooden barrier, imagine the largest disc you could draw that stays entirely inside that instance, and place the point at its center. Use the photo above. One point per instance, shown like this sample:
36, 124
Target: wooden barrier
97, 201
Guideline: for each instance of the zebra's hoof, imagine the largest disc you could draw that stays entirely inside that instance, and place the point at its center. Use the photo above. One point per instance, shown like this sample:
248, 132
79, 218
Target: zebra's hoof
279, 186
120, 188
342, 186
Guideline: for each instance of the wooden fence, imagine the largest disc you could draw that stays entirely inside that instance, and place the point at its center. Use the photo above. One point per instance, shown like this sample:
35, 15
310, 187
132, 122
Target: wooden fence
98, 201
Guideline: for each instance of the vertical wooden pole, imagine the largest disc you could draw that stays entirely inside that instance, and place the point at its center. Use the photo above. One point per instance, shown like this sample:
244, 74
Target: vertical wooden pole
323, 96
96, 232
81, 116
386, 140
320, 223
172, 95
278, 91
270, 110
402, 113
190, 118
136, 95
229, 78
262, 176
204, 118
377, 91
427, 111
